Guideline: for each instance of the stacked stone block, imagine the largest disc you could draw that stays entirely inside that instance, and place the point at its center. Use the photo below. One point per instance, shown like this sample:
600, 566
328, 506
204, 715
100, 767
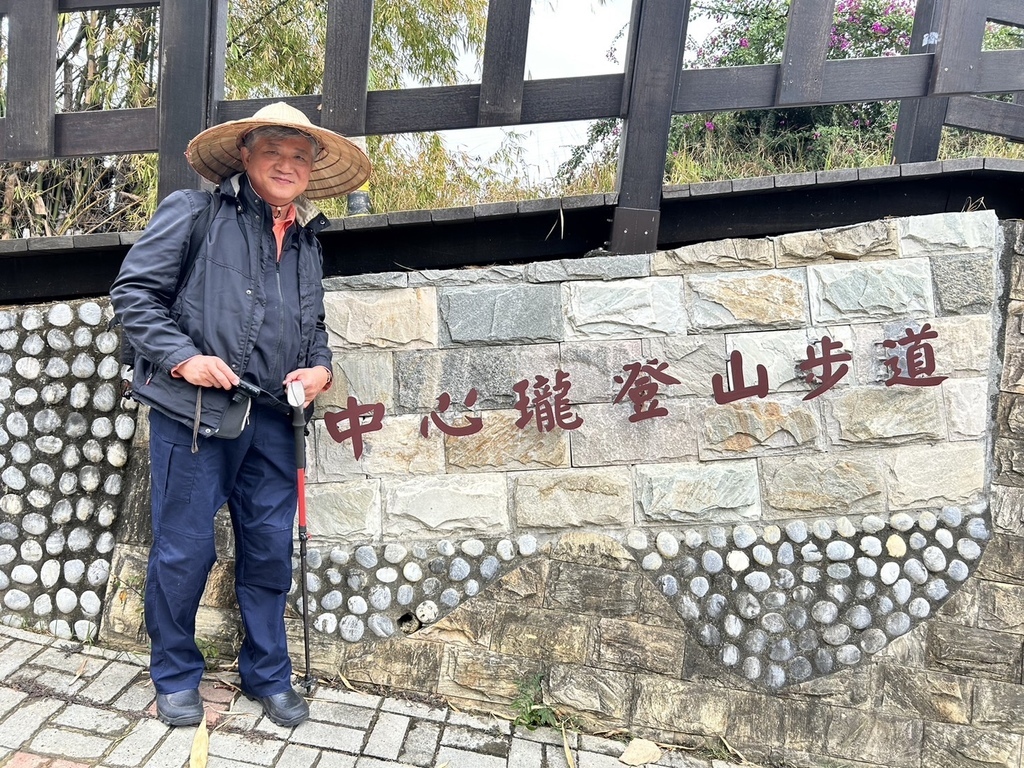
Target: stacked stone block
719, 570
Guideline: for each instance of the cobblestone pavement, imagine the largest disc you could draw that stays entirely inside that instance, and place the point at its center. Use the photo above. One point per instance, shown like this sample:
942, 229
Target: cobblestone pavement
63, 705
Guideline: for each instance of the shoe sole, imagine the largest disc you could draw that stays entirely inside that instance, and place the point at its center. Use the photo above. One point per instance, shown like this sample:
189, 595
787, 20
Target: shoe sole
283, 723
181, 720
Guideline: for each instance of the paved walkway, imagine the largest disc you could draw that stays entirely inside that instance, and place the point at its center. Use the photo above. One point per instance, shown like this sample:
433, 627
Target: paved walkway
63, 705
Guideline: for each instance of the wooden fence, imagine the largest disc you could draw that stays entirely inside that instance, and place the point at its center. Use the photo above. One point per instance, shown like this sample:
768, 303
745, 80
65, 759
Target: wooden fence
941, 82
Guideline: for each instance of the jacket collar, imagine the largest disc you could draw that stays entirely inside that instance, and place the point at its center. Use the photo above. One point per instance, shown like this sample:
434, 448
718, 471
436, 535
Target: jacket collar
306, 213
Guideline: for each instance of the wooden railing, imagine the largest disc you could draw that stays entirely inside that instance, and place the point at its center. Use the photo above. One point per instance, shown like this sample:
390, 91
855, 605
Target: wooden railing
940, 83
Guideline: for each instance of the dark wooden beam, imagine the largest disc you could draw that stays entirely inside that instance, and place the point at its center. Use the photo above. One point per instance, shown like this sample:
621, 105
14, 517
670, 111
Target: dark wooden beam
1006, 12
127, 131
28, 125
185, 35
67, 6
999, 118
656, 67
845, 81
501, 86
919, 124
1001, 72
456, 106
218, 58
801, 77
347, 70
959, 46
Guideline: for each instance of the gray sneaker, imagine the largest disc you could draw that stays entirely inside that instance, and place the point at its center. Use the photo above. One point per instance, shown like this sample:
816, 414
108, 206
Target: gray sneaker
180, 707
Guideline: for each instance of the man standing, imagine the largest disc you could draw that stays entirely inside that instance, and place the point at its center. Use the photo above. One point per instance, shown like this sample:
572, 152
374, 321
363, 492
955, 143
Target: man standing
250, 309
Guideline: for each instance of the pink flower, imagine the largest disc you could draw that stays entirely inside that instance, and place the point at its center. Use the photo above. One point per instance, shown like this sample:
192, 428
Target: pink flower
744, 43
709, 125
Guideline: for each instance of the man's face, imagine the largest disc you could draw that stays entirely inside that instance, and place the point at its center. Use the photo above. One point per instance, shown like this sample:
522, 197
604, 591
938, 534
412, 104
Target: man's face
279, 168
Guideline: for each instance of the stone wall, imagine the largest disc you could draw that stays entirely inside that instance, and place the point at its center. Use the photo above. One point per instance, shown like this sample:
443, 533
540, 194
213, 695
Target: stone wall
800, 574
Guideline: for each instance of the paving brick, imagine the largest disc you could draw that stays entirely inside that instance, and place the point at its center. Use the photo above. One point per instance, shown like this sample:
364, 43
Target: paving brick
94, 720
137, 743
175, 749
27, 760
387, 736
475, 740
16, 656
354, 698
525, 754
372, 762
65, 743
328, 736
421, 743
556, 757
111, 682
596, 760
137, 698
602, 746
337, 760
9, 699
223, 762
66, 657
545, 735
65, 683
481, 724
18, 727
458, 758
297, 757
242, 747
414, 709
340, 714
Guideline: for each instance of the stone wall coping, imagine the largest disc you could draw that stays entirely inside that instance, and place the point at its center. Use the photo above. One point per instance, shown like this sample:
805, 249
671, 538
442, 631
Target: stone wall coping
509, 209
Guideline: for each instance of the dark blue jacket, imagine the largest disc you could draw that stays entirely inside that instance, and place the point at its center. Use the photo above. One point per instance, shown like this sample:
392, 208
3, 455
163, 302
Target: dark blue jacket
220, 309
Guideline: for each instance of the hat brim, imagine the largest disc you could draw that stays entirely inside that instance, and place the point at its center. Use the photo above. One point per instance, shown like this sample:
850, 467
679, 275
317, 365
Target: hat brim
341, 167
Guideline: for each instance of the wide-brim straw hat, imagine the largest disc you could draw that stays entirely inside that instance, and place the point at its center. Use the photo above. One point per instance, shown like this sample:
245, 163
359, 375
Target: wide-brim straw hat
341, 166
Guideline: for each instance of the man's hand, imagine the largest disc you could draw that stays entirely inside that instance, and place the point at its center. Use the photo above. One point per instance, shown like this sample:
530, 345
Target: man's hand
314, 381
206, 371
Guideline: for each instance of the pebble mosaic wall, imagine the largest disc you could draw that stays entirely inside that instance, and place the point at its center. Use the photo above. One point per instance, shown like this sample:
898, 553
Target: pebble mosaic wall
64, 438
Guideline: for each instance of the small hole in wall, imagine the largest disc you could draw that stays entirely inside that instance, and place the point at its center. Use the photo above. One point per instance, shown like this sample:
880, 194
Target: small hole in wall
408, 623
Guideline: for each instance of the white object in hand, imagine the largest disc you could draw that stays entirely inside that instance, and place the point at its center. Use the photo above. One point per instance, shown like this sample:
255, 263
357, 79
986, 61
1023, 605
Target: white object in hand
296, 393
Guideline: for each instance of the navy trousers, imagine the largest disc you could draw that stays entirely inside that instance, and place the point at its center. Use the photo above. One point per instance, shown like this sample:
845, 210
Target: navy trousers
255, 475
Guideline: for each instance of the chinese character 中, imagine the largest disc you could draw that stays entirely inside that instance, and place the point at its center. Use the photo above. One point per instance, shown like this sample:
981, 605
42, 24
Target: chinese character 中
920, 359
473, 423
740, 389
549, 406
356, 415
641, 386
829, 376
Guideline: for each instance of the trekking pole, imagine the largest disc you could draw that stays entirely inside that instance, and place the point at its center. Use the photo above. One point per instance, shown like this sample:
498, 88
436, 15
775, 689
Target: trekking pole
296, 398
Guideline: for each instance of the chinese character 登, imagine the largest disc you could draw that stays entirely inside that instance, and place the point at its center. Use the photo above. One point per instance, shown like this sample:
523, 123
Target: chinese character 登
740, 390
473, 423
355, 414
549, 406
641, 386
920, 359
829, 376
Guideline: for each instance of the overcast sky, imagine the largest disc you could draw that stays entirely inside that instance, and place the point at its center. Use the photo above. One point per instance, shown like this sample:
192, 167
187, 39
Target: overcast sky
568, 38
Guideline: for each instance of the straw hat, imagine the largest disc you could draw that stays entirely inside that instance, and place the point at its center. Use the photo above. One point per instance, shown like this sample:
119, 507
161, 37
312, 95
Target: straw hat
341, 166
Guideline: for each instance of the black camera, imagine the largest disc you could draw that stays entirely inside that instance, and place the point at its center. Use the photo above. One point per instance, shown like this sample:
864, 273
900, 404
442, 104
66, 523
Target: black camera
245, 390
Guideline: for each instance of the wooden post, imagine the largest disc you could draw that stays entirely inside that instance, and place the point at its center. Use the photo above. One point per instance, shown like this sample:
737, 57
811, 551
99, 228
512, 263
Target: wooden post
919, 125
31, 78
653, 74
186, 32
347, 69
501, 87
803, 57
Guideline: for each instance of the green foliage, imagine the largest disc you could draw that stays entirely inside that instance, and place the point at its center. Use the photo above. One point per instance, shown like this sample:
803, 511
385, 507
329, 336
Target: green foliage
715, 146
529, 708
